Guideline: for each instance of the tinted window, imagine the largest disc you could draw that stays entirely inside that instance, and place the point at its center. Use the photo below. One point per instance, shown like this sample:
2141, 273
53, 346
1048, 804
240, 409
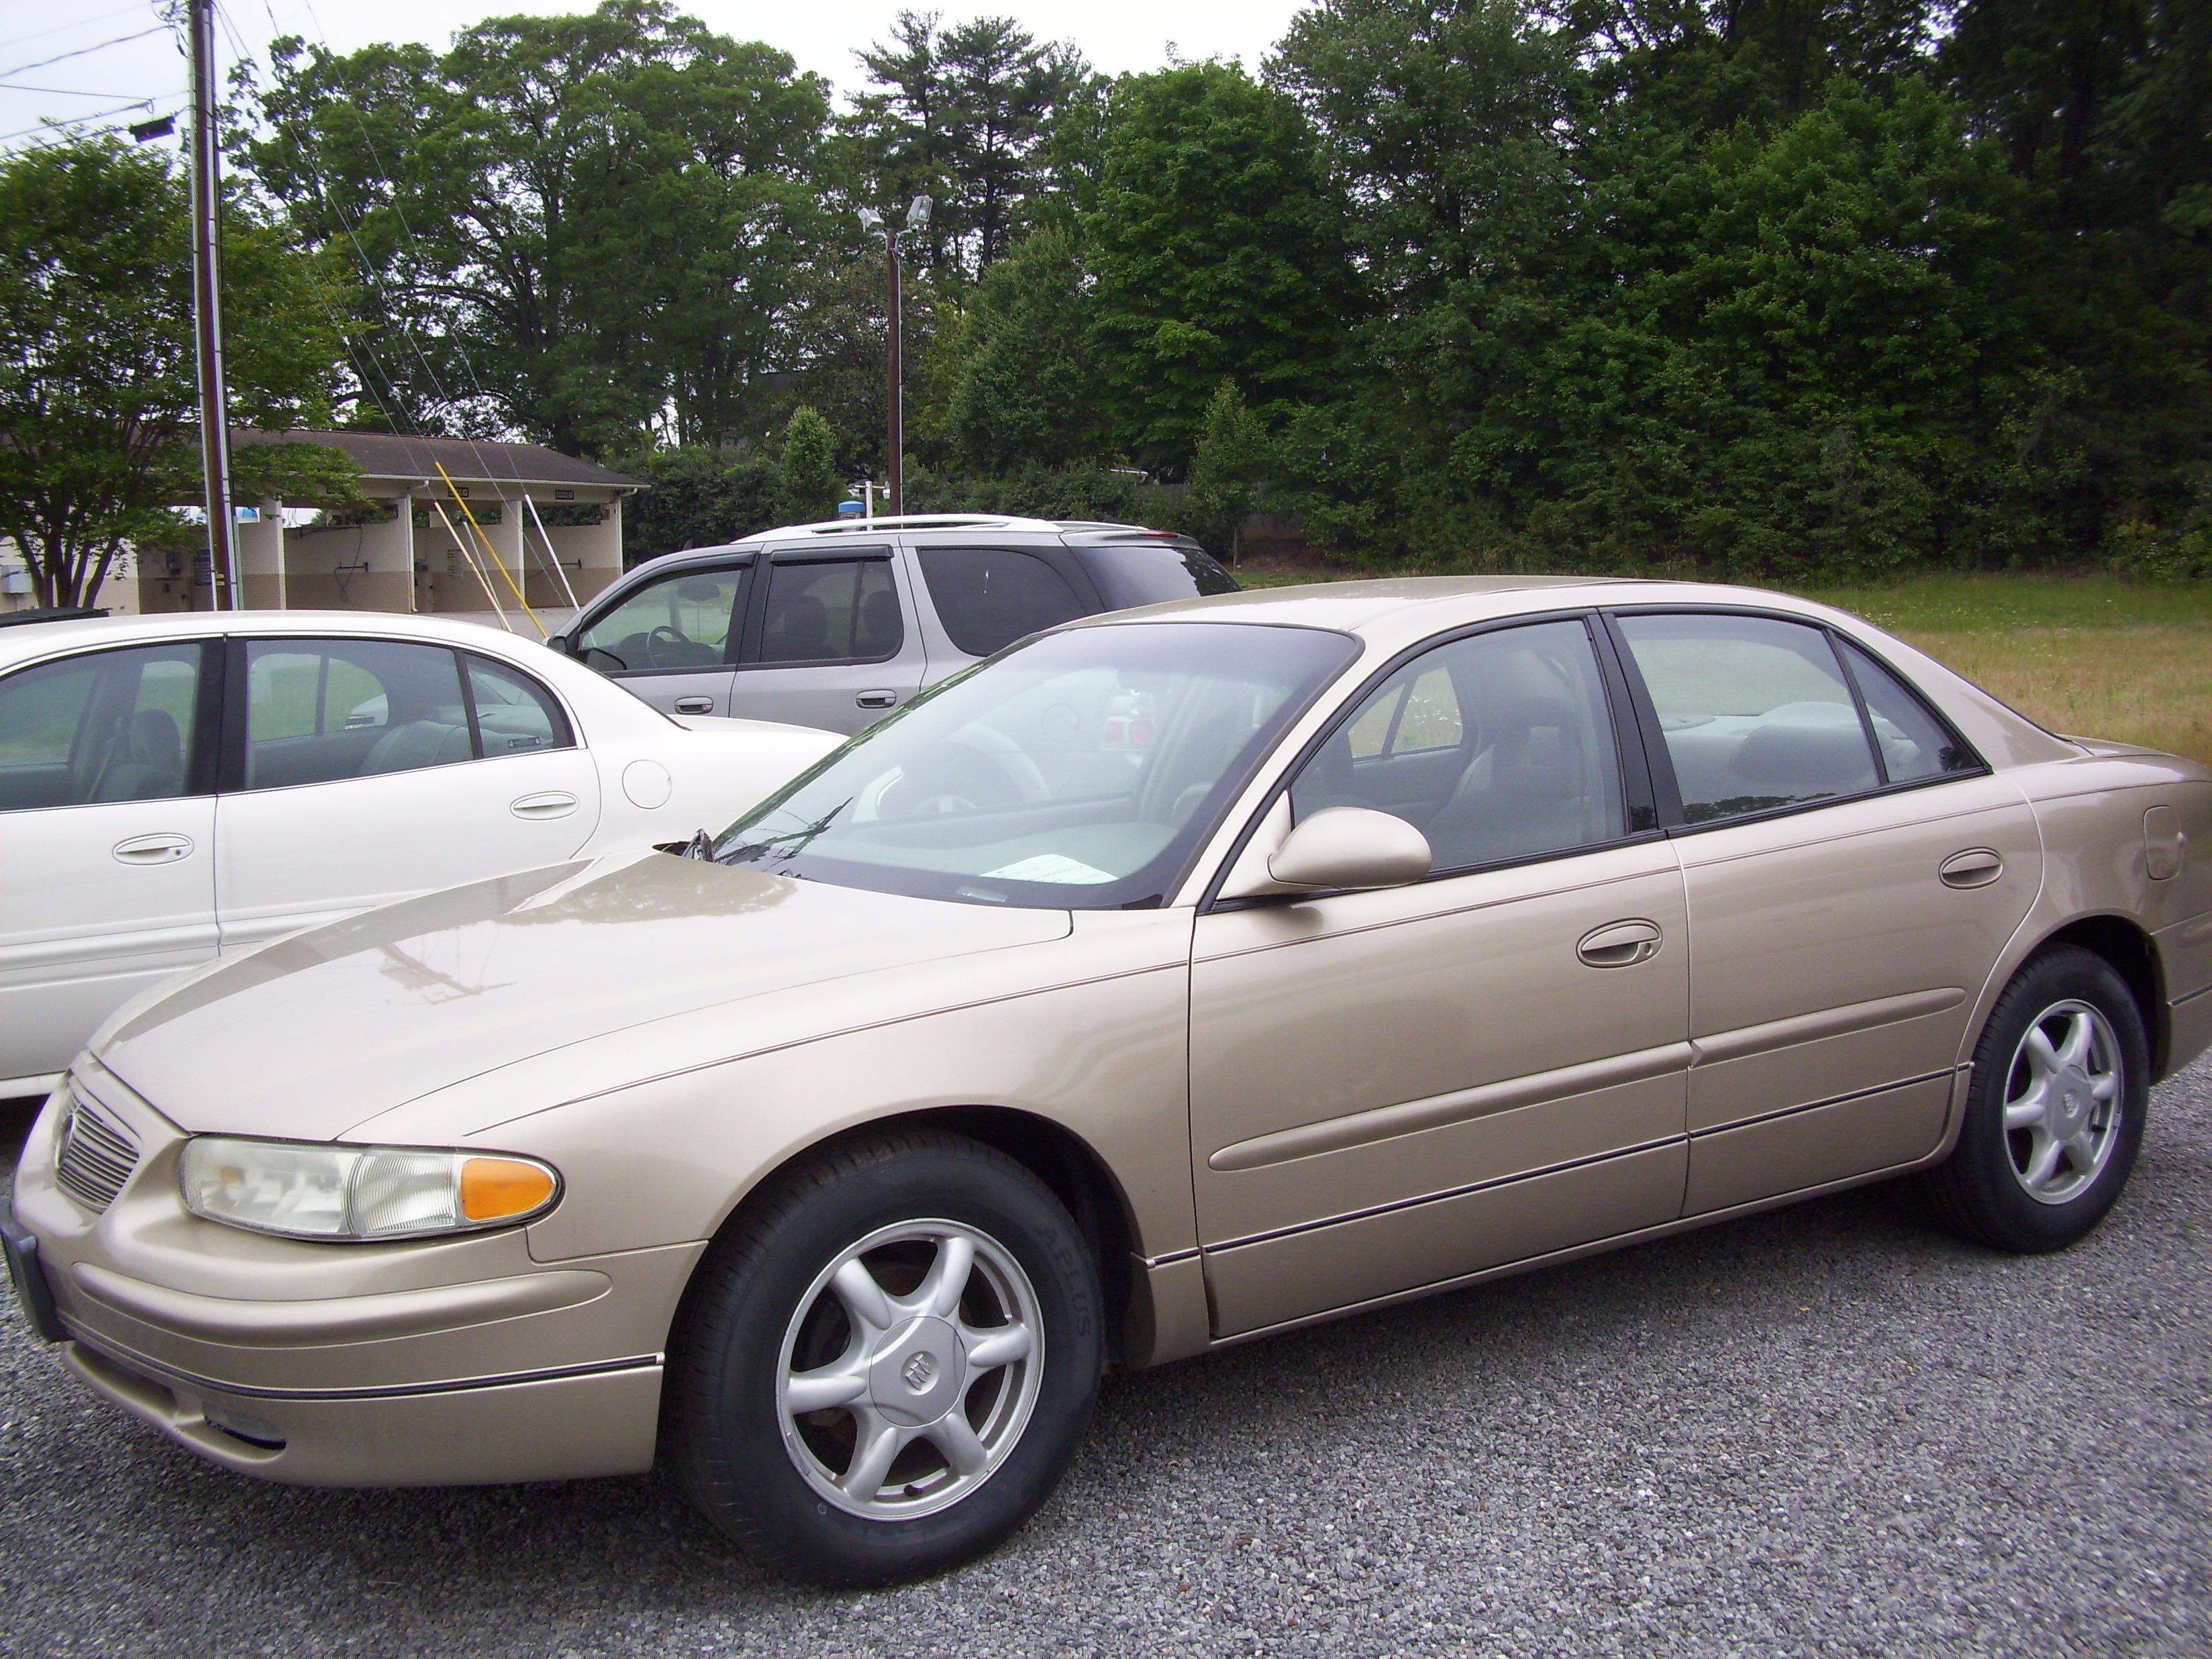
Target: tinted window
835, 611
514, 713
680, 622
1139, 573
1497, 746
1079, 771
1915, 746
113, 726
320, 709
1755, 712
989, 597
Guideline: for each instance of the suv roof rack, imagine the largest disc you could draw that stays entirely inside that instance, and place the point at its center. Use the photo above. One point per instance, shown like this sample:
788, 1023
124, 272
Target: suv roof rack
910, 521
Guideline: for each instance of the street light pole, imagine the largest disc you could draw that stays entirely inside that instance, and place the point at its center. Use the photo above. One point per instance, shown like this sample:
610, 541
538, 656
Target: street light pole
917, 217
207, 312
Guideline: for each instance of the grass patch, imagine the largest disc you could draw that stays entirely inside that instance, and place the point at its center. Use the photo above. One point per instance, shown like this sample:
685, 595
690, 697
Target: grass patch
2094, 656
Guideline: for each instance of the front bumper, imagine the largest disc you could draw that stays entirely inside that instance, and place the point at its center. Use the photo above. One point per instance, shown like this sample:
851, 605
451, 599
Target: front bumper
437, 1363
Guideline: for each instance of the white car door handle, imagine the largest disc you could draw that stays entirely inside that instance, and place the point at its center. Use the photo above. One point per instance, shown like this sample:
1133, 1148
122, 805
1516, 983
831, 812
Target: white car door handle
153, 849
551, 804
876, 699
695, 705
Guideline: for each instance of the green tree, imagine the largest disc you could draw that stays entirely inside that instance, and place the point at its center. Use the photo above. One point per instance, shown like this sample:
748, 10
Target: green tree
1217, 249
577, 226
964, 115
698, 497
99, 395
1026, 390
1226, 470
808, 488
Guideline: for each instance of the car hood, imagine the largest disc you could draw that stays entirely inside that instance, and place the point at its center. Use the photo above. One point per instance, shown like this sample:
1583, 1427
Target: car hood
312, 1034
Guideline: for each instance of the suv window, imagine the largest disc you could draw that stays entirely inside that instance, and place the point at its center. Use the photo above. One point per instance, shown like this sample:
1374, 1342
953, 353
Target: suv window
1128, 574
828, 610
1915, 746
1497, 746
989, 597
110, 725
1755, 712
681, 622
320, 709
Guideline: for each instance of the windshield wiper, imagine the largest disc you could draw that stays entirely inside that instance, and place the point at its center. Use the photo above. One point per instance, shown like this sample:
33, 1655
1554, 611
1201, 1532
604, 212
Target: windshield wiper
785, 846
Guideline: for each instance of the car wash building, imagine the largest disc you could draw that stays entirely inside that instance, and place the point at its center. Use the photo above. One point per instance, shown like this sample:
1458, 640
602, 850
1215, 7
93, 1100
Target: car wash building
453, 525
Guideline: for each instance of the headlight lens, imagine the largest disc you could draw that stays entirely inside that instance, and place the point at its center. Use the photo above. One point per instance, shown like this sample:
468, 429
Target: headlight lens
303, 1190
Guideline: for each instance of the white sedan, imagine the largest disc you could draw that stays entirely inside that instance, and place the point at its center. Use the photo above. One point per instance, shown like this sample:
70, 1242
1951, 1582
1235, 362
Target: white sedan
174, 788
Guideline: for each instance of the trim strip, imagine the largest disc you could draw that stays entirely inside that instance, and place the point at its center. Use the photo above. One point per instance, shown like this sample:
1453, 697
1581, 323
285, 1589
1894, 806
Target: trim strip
126, 1360
1827, 1022
1435, 1198
1831, 1100
1388, 1122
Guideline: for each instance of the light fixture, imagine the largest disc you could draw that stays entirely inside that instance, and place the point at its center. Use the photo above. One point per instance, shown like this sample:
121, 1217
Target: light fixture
917, 213
871, 220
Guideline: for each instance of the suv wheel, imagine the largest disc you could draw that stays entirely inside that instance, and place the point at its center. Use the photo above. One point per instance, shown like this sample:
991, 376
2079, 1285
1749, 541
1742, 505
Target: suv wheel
886, 1366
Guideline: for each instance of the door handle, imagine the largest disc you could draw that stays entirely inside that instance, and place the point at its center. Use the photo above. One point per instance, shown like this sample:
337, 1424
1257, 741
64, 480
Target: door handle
1619, 943
153, 849
551, 804
1977, 867
695, 705
876, 699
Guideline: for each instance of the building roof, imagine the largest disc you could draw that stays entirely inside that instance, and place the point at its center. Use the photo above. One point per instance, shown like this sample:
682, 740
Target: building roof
473, 460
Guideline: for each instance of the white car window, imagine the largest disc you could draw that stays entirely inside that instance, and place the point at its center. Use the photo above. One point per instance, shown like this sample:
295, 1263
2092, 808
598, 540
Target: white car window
323, 709
514, 713
108, 725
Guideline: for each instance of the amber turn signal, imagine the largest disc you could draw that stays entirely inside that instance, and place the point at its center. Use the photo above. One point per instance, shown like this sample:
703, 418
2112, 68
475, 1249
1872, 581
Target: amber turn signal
492, 1189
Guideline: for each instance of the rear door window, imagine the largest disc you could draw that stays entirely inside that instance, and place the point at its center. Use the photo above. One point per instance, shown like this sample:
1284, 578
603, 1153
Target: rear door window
989, 597
1915, 747
514, 713
1755, 712
317, 710
831, 610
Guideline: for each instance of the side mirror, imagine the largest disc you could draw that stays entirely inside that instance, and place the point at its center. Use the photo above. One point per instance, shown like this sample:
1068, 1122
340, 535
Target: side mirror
557, 642
1339, 847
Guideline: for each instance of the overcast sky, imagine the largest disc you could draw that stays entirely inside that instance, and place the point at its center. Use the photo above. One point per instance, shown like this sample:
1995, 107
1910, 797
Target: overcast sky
822, 34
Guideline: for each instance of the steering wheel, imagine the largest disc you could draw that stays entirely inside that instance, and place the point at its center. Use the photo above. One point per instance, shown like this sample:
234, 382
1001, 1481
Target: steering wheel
652, 641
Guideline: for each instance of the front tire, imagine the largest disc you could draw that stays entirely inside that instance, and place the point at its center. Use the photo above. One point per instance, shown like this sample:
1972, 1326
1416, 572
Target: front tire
2055, 1112
885, 1367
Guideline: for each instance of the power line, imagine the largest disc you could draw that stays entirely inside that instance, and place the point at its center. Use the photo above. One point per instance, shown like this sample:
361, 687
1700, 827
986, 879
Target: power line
61, 92
63, 57
75, 23
66, 131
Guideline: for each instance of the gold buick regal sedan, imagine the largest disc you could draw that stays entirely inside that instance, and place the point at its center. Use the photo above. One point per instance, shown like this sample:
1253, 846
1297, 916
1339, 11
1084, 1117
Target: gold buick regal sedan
1172, 979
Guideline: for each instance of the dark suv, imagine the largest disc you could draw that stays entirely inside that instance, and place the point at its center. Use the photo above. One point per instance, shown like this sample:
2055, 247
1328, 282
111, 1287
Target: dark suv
830, 624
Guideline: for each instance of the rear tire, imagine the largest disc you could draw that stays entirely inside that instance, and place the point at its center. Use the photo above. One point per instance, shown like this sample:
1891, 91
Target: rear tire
885, 1367
2055, 1112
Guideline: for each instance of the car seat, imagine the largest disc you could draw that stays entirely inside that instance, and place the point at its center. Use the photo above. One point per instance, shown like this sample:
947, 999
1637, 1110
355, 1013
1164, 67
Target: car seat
146, 761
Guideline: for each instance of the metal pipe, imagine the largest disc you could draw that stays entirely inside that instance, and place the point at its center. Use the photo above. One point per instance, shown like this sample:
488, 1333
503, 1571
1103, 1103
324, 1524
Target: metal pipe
207, 314
897, 435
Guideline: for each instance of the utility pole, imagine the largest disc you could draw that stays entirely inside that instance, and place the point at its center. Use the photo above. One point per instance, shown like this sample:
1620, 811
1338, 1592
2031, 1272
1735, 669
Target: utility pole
207, 314
917, 217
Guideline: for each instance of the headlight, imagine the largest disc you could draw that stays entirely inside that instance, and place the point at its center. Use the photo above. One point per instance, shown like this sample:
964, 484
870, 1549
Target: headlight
304, 1190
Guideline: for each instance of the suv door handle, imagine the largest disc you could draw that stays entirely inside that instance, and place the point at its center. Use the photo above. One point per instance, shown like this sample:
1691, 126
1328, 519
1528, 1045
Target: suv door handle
1977, 867
695, 705
877, 699
550, 803
1619, 943
153, 849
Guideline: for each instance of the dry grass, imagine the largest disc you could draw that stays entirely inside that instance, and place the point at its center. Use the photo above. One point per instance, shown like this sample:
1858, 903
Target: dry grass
2147, 685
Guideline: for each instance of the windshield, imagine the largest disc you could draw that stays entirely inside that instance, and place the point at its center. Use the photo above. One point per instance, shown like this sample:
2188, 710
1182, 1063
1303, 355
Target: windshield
1076, 772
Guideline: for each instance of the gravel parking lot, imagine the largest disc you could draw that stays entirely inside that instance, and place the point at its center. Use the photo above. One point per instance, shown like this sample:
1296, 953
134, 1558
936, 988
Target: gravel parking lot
1827, 1430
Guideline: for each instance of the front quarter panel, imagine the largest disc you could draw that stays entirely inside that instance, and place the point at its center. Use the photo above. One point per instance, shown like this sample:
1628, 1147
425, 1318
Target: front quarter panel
1086, 1031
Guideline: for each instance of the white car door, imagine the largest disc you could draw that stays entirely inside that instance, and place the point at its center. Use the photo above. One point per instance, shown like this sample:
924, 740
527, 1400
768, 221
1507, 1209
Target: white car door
375, 770
107, 842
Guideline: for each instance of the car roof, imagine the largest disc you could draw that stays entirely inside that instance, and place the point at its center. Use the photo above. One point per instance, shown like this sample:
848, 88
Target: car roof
43, 639
1392, 610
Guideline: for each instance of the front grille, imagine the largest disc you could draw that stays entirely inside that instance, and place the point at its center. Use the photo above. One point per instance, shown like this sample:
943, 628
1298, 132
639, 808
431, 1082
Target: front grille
97, 1155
